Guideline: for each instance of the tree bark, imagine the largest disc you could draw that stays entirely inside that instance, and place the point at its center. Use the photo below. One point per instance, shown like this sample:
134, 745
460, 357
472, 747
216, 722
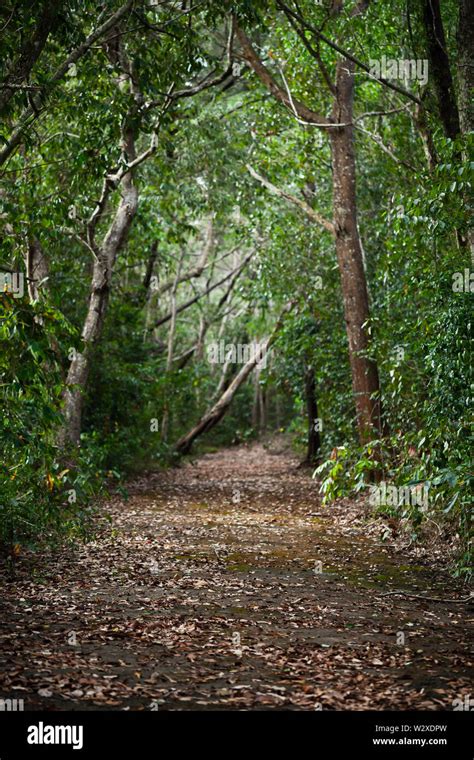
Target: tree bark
365, 381
440, 71
465, 65
98, 299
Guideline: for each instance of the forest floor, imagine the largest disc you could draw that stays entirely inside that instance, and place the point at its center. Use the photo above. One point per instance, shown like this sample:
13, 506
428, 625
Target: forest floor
224, 584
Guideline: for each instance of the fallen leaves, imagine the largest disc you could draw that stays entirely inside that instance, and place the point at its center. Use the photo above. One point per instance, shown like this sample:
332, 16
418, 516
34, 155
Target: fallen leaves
195, 601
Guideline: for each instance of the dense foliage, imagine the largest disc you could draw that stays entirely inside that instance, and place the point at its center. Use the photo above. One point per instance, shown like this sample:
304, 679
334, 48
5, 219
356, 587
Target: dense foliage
200, 212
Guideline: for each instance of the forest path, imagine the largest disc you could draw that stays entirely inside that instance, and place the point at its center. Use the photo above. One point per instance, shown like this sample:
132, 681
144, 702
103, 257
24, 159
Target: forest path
207, 594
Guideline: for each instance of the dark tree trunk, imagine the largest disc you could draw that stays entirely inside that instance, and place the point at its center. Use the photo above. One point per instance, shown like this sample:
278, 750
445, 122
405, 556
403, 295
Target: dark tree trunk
314, 438
255, 404
263, 423
31, 50
440, 71
150, 266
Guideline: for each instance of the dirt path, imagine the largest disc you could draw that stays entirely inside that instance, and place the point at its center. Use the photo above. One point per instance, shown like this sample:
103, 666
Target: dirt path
225, 584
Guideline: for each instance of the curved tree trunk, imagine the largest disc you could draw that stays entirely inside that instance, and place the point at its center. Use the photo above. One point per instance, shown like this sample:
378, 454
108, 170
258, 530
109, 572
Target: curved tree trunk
219, 409
98, 302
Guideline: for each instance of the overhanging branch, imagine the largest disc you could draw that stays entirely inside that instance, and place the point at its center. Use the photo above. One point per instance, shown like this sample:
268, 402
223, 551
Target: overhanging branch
308, 210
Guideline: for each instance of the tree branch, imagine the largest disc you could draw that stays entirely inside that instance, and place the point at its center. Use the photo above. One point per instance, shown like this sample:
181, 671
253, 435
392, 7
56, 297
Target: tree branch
195, 271
205, 292
217, 411
294, 105
38, 101
308, 210
207, 82
29, 54
345, 53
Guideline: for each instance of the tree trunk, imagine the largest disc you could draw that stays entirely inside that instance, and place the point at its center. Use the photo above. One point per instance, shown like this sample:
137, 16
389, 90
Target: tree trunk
365, 381
259, 406
149, 268
440, 72
37, 269
255, 404
170, 353
465, 65
314, 438
215, 414
219, 409
98, 302
262, 397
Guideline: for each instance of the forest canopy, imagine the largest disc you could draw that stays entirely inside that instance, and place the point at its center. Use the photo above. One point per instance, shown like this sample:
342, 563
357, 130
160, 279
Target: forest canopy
238, 217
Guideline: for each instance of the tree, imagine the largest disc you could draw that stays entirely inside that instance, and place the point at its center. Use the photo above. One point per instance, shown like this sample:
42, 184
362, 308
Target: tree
339, 126
220, 407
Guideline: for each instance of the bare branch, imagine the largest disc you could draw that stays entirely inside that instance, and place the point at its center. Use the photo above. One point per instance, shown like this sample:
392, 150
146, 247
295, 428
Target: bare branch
378, 141
218, 410
308, 210
205, 292
195, 271
297, 107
